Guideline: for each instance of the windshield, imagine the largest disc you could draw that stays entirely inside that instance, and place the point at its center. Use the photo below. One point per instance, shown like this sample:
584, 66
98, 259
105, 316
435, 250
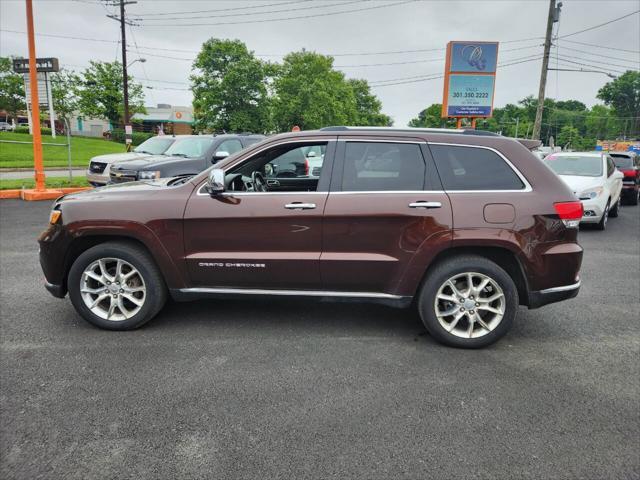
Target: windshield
190, 147
155, 145
622, 161
577, 165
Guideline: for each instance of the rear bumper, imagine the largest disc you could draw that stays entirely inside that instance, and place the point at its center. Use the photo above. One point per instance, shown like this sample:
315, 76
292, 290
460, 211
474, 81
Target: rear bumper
552, 295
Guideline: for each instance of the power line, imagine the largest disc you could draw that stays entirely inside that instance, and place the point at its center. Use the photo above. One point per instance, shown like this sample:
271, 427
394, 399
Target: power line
221, 9
605, 47
600, 25
216, 15
637, 62
300, 17
601, 62
588, 65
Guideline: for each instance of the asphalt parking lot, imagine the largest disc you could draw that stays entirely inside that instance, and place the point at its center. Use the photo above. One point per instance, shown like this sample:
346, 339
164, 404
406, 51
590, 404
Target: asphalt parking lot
294, 389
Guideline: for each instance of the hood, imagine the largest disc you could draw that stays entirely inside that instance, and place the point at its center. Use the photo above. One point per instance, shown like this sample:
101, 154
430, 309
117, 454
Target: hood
118, 157
117, 188
579, 184
149, 161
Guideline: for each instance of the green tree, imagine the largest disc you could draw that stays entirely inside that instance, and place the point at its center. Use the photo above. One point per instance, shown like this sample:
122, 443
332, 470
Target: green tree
568, 137
430, 118
230, 88
12, 98
368, 106
623, 94
63, 87
99, 92
311, 94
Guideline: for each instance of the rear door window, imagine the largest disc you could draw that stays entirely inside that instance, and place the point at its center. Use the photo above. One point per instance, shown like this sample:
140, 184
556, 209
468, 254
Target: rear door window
382, 166
472, 168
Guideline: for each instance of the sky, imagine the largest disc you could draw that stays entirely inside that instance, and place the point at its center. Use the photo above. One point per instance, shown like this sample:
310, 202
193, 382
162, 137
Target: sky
360, 39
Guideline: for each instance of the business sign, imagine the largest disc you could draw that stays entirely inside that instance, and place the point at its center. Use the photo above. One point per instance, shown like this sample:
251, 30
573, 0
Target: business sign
469, 81
21, 65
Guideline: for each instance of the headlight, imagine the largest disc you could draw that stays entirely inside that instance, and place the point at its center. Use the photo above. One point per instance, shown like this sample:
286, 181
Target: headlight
144, 175
591, 193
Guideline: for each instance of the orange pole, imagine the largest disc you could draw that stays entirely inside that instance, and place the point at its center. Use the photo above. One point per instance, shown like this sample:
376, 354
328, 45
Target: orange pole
35, 102
473, 123
459, 123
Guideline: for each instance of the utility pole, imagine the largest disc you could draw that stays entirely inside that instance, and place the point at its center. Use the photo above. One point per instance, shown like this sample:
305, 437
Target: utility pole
128, 131
554, 16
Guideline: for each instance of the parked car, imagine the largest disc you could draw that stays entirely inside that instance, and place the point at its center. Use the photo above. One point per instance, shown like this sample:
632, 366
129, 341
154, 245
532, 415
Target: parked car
6, 127
460, 224
594, 179
629, 164
98, 173
188, 155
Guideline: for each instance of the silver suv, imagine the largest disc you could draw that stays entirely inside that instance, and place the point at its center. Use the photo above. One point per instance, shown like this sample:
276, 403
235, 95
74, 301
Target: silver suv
99, 167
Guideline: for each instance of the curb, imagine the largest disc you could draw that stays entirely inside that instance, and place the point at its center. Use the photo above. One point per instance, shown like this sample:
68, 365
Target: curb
34, 195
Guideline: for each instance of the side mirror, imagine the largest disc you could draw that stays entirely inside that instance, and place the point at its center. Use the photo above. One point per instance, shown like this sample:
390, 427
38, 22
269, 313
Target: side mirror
219, 155
215, 182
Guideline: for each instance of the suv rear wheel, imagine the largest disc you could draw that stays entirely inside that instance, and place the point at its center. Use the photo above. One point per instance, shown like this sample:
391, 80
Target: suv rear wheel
468, 301
116, 286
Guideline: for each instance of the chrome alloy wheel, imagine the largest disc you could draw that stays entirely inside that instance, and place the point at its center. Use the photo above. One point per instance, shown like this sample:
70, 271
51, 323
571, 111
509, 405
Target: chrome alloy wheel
112, 289
470, 305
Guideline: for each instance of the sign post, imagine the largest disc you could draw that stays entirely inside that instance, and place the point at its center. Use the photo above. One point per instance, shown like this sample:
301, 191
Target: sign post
35, 105
469, 81
43, 67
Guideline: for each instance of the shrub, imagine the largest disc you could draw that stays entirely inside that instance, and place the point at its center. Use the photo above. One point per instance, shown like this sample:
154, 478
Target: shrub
43, 130
117, 135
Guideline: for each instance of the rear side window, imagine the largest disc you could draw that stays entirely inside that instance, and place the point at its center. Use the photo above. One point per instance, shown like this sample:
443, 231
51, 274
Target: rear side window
377, 166
469, 168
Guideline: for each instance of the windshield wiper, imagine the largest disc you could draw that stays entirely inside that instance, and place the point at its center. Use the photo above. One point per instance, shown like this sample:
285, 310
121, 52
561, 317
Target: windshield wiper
183, 155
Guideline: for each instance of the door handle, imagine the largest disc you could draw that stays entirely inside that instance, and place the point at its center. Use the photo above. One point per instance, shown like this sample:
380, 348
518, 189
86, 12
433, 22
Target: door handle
424, 204
300, 206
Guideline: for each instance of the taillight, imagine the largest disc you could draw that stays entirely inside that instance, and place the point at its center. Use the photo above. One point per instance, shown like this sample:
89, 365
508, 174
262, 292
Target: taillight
569, 212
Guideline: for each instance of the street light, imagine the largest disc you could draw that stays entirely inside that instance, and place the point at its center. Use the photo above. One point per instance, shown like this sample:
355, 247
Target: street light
610, 75
141, 60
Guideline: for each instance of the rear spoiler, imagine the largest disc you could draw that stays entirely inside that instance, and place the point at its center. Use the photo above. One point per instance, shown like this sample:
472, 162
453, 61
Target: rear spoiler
530, 144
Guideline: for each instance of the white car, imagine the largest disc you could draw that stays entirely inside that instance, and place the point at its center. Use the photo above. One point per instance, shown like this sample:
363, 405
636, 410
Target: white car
99, 166
594, 179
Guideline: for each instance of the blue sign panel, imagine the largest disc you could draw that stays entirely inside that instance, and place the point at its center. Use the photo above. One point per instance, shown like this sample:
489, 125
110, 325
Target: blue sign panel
471, 57
470, 95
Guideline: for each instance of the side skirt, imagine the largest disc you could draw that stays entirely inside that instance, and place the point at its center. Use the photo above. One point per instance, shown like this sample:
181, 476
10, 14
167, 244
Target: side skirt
188, 294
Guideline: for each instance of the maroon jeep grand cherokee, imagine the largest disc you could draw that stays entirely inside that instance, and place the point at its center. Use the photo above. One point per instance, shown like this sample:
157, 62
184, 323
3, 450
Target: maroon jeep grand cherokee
465, 225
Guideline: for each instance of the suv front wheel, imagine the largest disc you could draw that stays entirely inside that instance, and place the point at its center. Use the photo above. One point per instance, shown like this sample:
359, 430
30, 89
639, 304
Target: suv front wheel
468, 301
116, 286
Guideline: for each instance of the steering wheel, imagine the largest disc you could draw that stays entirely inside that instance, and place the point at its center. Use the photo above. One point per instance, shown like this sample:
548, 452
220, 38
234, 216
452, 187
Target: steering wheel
259, 183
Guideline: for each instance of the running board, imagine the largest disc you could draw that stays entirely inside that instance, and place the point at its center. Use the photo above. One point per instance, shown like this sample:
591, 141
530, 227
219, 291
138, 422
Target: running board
185, 294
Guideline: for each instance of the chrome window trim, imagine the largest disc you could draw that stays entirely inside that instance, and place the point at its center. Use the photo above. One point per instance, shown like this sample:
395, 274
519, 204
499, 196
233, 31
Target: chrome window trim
375, 192
252, 154
369, 140
564, 288
527, 186
297, 293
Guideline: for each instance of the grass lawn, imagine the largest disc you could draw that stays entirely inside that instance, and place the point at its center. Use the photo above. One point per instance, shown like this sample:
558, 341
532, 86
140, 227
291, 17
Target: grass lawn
13, 155
51, 182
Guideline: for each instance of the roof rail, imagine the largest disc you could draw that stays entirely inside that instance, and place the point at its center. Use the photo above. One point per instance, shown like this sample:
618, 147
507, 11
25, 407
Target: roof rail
458, 131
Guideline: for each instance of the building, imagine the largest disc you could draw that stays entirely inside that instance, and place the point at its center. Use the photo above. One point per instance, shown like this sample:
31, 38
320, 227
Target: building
170, 119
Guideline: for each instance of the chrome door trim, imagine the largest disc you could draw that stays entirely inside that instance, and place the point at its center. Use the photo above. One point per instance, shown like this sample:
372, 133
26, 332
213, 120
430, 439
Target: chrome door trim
527, 186
296, 293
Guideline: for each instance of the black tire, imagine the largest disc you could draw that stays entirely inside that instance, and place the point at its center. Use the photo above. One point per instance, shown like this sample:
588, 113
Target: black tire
613, 213
633, 198
602, 224
443, 271
138, 257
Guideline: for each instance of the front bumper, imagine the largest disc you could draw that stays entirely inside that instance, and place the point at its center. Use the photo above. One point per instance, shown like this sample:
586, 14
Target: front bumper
552, 295
98, 179
593, 210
